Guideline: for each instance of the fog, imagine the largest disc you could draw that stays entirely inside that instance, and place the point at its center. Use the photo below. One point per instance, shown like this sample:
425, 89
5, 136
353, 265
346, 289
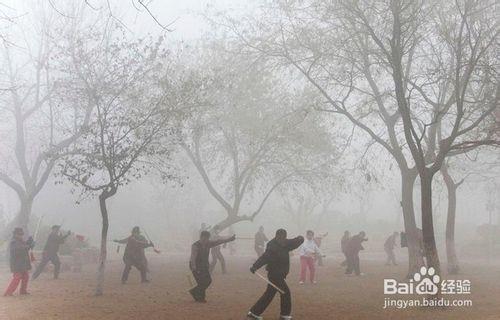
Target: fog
374, 116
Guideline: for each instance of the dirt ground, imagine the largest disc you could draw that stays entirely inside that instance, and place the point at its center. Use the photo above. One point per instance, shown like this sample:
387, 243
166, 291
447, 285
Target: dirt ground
336, 296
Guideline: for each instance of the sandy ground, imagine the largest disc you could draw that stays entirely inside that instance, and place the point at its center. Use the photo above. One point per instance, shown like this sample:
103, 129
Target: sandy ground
335, 296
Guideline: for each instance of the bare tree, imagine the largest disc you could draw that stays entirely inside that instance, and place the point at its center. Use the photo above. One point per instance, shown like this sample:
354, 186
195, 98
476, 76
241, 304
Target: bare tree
339, 65
251, 137
465, 62
130, 93
451, 187
432, 69
43, 122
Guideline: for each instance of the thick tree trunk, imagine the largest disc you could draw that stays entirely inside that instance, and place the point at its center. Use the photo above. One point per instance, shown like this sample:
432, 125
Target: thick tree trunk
451, 254
104, 240
22, 218
415, 259
430, 249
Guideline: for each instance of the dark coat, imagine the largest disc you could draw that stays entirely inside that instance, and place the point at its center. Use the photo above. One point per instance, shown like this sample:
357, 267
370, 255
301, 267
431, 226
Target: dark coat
134, 249
19, 256
354, 246
53, 243
276, 258
343, 243
200, 253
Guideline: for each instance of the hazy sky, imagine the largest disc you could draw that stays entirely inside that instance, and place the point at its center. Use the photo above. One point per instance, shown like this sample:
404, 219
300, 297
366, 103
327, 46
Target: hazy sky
57, 205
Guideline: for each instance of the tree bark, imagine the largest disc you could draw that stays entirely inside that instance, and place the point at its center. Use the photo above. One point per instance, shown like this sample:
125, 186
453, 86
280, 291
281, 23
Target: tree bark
453, 265
430, 250
104, 240
22, 218
415, 259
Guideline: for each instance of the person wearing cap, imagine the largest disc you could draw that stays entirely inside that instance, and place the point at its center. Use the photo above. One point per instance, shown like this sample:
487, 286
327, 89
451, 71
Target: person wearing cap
50, 251
134, 255
20, 263
200, 250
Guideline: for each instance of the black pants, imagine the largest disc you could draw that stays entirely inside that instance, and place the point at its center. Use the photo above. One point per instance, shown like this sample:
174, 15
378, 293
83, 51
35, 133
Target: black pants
217, 255
138, 265
203, 281
54, 258
267, 297
353, 264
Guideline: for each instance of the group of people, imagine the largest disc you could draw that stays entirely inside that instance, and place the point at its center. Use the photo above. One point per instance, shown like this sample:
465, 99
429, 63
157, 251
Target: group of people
20, 258
310, 254
276, 258
274, 254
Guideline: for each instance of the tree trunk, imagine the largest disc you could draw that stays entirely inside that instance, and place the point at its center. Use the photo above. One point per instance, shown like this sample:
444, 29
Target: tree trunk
430, 250
230, 220
451, 254
22, 218
104, 240
415, 259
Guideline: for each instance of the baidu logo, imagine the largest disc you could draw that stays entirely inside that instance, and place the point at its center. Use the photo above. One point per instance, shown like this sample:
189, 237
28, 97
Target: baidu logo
432, 291
428, 281
425, 282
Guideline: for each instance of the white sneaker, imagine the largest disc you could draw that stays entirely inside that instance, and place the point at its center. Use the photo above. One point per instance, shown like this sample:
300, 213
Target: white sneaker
252, 316
285, 317
314, 282
301, 282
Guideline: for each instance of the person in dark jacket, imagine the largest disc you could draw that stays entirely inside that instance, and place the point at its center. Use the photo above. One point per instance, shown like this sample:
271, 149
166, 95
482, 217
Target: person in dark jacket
276, 258
260, 241
343, 246
199, 265
389, 245
354, 246
134, 255
20, 263
50, 250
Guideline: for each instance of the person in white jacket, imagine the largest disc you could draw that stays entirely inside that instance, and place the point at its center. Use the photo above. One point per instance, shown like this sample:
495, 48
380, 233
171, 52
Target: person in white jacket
308, 251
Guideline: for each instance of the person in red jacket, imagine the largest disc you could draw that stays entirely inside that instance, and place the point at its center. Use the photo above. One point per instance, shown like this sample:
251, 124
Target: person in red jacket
20, 263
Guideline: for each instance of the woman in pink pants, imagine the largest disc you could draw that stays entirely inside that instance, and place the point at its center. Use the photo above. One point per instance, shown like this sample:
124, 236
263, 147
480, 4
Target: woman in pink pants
20, 262
308, 251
